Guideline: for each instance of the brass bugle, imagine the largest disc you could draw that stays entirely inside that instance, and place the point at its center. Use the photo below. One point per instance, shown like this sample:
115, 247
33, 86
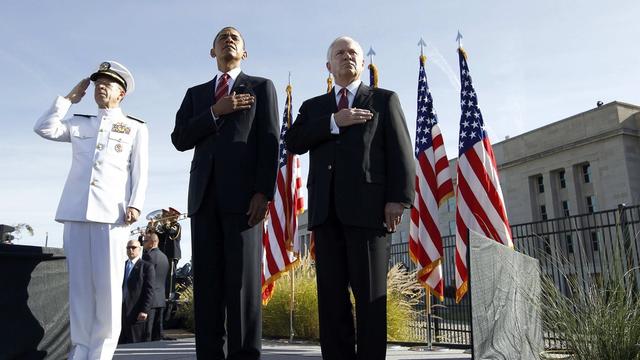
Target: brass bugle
157, 222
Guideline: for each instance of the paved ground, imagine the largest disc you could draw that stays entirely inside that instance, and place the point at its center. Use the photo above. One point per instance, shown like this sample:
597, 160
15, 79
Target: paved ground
184, 349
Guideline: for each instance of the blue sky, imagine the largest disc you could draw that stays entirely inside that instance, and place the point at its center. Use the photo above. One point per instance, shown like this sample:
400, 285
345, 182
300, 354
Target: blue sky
533, 63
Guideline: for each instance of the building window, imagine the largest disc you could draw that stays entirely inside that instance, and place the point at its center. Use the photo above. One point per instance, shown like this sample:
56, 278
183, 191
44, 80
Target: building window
591, 204
586, 173
540, 184
569, 241
561, 179
565, 208
543, 212
595, 245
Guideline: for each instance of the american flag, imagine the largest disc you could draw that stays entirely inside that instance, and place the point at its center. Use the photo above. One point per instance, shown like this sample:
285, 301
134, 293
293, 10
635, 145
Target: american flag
433, 187
479, 202
281, 227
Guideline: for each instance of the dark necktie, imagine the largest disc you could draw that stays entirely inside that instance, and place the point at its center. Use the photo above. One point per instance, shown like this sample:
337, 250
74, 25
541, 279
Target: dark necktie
223, 87
344, 100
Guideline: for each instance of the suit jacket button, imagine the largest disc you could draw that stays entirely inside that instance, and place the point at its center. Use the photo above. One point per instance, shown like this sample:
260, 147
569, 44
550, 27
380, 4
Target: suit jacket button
329, 167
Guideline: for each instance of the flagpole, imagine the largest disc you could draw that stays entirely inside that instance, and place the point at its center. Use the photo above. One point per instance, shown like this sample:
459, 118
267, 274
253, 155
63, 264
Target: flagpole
291, 270
427, 294
429, 318
373, 70
422, 44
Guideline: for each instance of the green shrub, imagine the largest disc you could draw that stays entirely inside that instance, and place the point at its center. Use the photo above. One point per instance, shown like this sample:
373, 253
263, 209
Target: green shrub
403, 292
275, 315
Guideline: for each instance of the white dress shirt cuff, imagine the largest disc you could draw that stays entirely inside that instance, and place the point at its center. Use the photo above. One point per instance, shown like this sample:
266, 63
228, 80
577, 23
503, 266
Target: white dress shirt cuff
215, 118
332, 124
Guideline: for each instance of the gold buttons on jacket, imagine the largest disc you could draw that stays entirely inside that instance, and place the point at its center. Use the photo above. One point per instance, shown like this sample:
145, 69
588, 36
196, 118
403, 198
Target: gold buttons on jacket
99, 146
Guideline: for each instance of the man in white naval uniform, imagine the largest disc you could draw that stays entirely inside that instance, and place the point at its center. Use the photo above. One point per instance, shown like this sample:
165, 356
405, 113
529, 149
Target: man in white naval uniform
103, 195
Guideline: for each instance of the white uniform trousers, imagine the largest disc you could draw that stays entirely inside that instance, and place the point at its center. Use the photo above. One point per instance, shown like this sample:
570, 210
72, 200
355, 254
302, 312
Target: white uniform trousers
95, 254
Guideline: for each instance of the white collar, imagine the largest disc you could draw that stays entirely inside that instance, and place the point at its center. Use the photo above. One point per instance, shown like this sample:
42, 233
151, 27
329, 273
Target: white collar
113, 112
233, 73
352, 88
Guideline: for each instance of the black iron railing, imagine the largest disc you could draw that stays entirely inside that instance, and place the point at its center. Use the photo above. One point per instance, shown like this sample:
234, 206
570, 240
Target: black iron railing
593, 246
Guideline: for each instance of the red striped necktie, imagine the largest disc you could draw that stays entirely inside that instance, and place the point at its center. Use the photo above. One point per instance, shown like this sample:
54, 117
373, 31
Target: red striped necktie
223, 86
344, 100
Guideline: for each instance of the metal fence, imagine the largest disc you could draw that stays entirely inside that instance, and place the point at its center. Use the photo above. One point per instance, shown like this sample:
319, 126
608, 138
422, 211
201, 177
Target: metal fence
592, 247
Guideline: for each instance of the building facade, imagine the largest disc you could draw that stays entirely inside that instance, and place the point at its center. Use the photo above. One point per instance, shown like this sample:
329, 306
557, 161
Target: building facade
578, 165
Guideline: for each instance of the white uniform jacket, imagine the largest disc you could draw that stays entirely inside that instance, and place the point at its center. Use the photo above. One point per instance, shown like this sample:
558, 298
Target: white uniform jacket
110, 162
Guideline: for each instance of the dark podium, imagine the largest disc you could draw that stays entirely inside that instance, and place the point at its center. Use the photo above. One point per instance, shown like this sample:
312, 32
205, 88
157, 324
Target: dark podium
34, 303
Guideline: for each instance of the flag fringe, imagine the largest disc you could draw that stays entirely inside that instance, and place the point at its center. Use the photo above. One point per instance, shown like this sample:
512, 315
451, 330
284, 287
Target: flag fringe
275, 277
373, 75
463, 52
461, 291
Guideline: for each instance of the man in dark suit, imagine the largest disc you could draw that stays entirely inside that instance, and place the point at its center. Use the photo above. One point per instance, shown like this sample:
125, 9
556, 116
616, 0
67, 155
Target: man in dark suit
137, 294
232, 122
154, 256
361, 176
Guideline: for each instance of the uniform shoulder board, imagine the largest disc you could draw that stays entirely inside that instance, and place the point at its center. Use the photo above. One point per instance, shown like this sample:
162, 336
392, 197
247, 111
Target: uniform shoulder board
84, 115
136, 119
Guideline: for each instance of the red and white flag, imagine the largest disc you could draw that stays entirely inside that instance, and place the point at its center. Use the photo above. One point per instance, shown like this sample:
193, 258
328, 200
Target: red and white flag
281, 227
433, 187
479, 203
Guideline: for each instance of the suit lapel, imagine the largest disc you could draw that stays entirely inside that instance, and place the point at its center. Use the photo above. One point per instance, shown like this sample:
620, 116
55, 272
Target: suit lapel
363, 97
210, 92
329, 101
240, 85
135, 270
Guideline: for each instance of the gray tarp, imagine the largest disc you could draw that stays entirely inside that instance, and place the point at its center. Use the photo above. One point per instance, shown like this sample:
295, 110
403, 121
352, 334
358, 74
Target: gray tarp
505, 291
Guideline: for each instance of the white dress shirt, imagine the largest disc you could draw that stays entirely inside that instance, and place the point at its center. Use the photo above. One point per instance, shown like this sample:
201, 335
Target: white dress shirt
351, 95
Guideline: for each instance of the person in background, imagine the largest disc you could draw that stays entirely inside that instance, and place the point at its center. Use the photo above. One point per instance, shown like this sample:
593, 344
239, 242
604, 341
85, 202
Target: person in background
137, 295
154, 256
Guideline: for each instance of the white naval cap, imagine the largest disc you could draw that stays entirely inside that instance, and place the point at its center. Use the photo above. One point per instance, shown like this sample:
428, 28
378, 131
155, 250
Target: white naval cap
117, 72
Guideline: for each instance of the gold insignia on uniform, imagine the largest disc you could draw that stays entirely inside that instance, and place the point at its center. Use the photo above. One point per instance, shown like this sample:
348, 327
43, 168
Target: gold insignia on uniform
118, 147
121, 128
105, 66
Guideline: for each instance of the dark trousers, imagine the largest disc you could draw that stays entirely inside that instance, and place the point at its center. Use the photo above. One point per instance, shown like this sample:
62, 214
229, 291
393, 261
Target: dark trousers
154, 329
353, 257
226, 258
133, 331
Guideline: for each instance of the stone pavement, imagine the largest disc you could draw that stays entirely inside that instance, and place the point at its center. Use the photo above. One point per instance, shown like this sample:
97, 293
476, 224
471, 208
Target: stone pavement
184, 349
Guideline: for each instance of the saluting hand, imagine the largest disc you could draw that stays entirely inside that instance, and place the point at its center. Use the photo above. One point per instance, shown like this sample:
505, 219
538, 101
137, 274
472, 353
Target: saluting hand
78, 91
257, 209
352, 116
233, 102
